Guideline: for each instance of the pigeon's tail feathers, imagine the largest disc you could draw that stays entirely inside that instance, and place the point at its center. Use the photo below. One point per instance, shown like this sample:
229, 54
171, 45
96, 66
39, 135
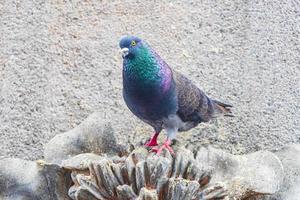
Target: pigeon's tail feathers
223, 108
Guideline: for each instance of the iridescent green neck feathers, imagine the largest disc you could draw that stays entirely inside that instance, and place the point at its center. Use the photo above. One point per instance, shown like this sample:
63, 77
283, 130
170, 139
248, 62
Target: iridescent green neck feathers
142, 66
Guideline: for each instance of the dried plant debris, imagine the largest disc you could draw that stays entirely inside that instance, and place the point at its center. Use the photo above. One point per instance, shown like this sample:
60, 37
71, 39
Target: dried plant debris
144, 175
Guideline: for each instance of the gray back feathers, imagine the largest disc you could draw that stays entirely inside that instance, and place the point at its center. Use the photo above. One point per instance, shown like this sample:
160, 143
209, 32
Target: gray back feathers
193, 104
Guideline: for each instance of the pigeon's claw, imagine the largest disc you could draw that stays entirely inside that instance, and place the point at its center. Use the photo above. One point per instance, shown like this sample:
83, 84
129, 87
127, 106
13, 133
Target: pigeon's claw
166, 145
153, 141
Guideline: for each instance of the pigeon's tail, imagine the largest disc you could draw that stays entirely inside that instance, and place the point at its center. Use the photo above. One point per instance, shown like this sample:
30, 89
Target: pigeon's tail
223, 108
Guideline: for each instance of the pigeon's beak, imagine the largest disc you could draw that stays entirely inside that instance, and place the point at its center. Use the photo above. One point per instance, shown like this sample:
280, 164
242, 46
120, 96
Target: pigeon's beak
125, 52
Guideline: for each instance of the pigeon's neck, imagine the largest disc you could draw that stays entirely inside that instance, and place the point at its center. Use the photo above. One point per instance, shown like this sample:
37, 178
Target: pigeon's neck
143, 67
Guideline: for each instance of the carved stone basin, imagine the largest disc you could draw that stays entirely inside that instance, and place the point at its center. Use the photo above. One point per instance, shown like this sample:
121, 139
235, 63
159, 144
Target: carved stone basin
89, 163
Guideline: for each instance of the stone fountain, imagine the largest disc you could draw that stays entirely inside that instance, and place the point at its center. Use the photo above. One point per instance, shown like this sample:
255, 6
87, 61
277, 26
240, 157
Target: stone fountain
88, 163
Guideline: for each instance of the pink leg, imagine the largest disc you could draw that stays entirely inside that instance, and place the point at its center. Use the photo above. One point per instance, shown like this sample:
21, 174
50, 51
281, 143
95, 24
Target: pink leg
153, 140
166, 145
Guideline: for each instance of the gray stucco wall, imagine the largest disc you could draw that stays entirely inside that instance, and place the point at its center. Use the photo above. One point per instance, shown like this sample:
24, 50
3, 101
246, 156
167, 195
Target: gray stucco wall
59, 62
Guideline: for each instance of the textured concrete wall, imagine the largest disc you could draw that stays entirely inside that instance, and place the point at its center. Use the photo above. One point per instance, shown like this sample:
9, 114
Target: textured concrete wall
59, 62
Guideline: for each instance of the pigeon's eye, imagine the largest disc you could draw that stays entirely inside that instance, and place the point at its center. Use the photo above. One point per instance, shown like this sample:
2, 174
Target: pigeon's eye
133, 43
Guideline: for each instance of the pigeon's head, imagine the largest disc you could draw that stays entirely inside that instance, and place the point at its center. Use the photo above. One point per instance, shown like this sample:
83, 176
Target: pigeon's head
130, 46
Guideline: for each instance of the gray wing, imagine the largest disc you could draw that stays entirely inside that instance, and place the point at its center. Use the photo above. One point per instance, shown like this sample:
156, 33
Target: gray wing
193, 105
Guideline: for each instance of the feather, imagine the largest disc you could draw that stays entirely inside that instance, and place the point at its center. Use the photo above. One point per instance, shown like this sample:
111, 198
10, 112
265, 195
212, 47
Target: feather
223, 108
193, 104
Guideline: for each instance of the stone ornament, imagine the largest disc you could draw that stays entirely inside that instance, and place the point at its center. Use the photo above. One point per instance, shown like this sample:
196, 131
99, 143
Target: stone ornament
89, 163
142, 175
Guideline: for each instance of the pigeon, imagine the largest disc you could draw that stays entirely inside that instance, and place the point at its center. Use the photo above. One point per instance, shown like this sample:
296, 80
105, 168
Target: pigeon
162, 97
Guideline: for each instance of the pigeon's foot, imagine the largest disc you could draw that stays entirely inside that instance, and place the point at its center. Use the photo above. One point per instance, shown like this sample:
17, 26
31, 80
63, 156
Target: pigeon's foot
166, 145
153, 141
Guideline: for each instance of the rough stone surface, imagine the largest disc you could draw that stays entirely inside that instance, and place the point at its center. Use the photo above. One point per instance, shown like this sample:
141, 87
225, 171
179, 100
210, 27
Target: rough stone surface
28, 180
260, 171
59, 62
290, 159
93, 135
193, 173
209, 174
241, 176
